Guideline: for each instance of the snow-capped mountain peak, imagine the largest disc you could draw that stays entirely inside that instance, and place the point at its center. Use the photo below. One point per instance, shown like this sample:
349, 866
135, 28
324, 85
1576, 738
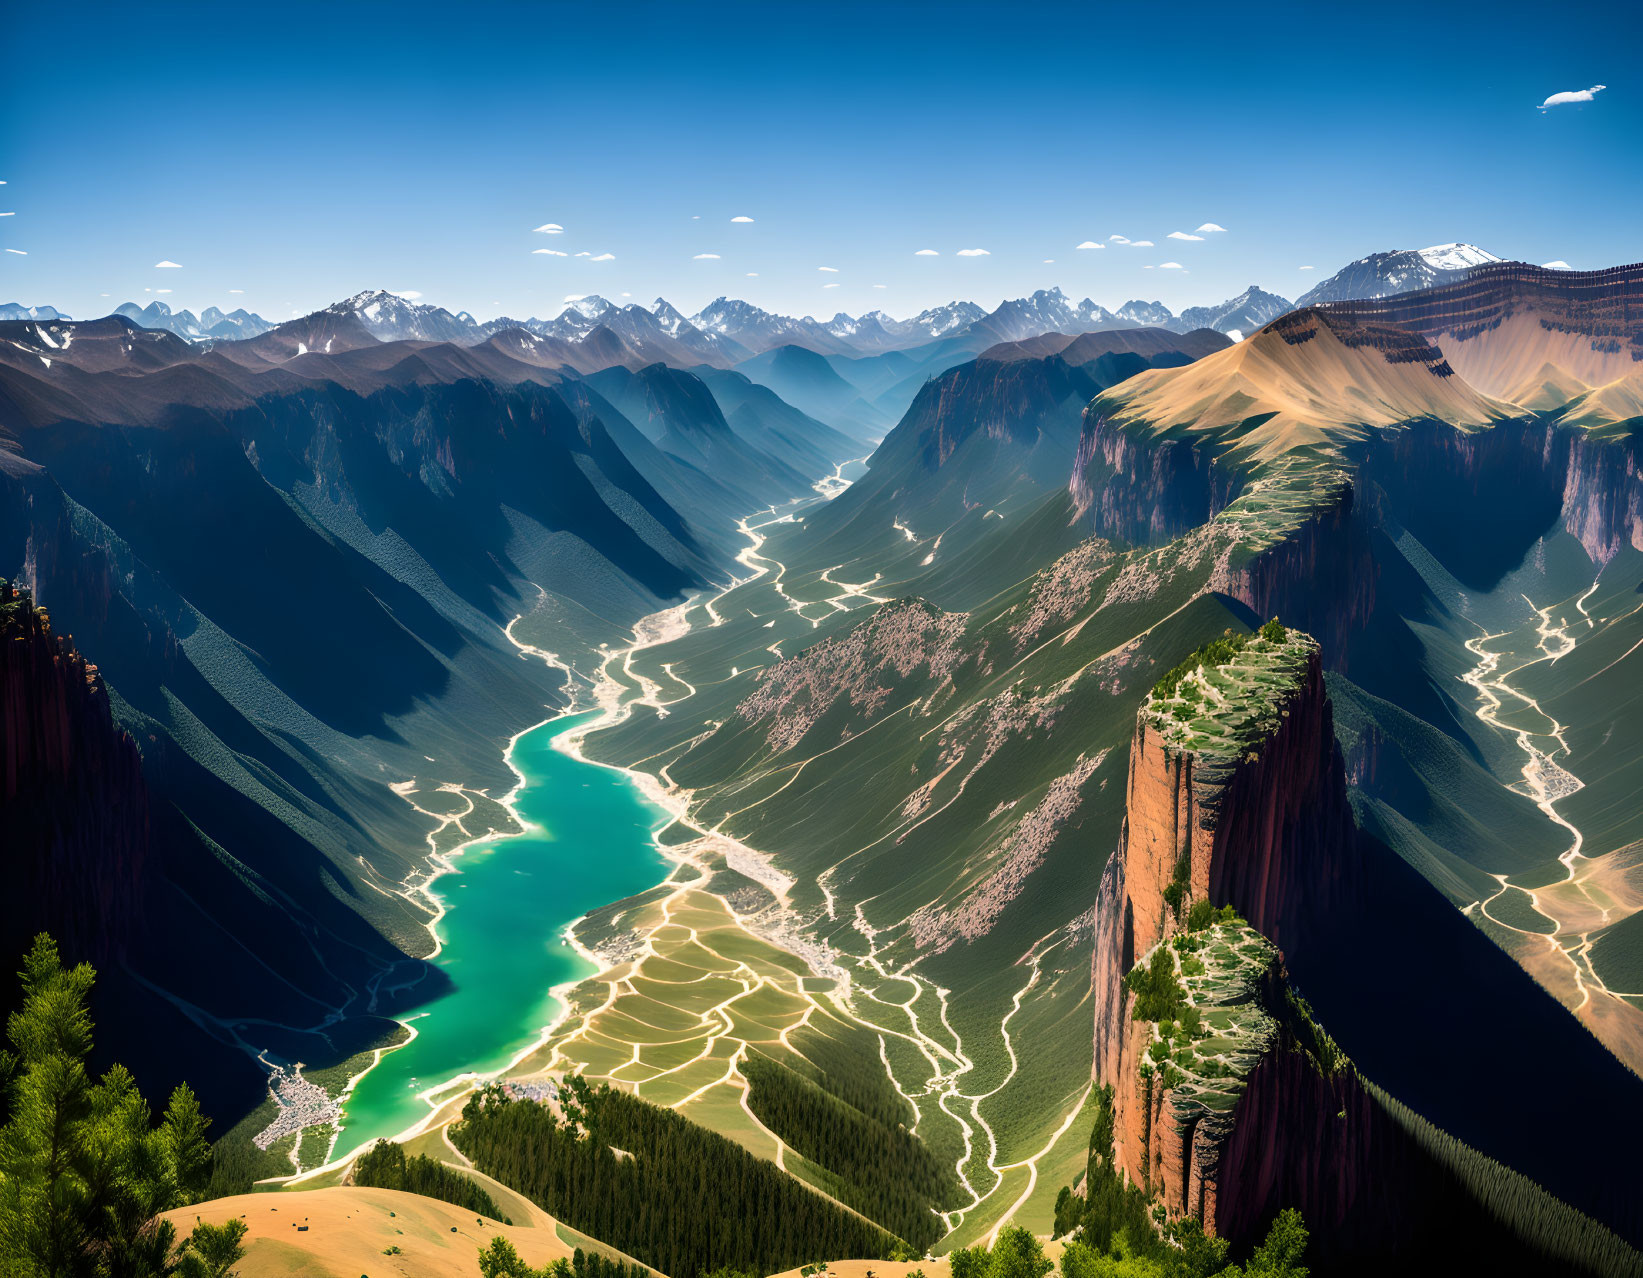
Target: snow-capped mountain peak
939, 321
668, 316
1147, 314
1252, 309
1398, 271
590, 307
394, 318
1455, 257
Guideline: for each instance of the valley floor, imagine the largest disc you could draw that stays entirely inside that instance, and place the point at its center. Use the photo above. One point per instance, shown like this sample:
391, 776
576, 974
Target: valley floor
717, 963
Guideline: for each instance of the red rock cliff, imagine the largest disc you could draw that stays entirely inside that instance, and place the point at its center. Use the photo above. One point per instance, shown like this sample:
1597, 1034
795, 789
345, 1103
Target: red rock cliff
1245, 805
73, 804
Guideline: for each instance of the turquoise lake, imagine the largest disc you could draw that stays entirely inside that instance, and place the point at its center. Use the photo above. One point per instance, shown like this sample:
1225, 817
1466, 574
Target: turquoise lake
591, 841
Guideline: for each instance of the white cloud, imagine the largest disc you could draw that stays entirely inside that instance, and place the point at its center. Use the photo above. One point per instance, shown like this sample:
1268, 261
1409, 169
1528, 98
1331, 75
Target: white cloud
574, 297
406, 294
834, 285
752, 275
1558, 265
584, 253
549, 252
974, 253
695, 217
832, 270
1572, 95
236, 290
25, 253
162, 290
1309, 268
1140, 244
1170, 266
878, 286
741, 219
168, 265
705, 257
1118, 239
551, 228
605, 257
1091, 244
1182, 235
1049, 261
927, 253
1211, 228
8, 215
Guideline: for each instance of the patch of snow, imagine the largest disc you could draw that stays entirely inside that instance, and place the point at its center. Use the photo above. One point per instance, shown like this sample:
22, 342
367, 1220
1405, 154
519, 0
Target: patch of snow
1455, 257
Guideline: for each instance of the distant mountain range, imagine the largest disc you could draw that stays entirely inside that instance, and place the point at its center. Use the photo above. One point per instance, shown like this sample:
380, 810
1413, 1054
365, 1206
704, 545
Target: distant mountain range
210, 324
17, 311
1250, 310
728, 331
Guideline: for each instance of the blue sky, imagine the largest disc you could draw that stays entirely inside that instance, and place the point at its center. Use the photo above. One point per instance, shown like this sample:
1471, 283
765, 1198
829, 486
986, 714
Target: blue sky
299, 153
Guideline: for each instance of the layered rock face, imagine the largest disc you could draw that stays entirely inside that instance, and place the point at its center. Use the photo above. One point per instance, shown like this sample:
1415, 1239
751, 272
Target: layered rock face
1146, 491
73, 805
1603, 495
1322, 575
1506, 486
1605, 307
1228, 1101
1253, 809
1237, 797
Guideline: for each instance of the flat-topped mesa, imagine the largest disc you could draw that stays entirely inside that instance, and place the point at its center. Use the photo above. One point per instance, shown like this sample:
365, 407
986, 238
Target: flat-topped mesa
1168, 448
1237, 793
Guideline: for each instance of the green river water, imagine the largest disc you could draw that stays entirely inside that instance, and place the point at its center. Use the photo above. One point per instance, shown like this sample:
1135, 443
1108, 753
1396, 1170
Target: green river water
590, 841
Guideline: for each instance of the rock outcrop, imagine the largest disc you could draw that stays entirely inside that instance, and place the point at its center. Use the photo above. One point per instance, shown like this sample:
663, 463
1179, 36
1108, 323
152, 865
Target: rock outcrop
1227, 1100
1237, 793
73, 804
1603, 495
1146, 490
1237, 806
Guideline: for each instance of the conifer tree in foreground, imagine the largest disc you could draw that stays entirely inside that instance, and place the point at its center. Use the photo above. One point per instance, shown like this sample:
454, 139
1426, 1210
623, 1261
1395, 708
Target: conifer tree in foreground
84, 1171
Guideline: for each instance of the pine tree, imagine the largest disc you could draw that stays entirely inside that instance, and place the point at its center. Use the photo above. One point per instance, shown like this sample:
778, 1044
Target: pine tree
85, 1175
44, 1197
190, 1152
